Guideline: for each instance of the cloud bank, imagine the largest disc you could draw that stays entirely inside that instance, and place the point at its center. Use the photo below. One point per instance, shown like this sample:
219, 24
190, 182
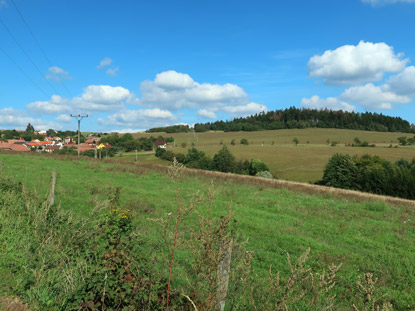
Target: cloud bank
356, 64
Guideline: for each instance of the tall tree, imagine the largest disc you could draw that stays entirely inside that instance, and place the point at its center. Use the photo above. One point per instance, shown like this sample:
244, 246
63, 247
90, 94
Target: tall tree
30, 128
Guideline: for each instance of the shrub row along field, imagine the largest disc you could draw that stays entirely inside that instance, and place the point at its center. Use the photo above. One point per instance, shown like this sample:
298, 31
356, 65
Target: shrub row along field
304, 162
115, 251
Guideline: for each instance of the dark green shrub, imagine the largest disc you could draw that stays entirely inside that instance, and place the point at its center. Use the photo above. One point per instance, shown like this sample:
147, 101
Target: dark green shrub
224, 160
244, 141
340, 172
256, 166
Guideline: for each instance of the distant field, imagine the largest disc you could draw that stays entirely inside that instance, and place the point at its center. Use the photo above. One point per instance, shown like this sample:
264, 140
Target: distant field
365, 237
304, 162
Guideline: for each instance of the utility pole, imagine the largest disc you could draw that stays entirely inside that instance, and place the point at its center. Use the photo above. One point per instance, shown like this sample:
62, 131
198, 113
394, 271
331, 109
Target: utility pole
79, 118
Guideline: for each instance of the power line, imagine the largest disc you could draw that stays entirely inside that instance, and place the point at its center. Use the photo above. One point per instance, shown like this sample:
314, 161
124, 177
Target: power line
79, 118
27, 76
38, 44
27, 55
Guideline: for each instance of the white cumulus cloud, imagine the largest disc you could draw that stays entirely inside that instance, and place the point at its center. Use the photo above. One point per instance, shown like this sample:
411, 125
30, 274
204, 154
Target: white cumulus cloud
16, 119
356, 64
207, 114
403, 83
57, 74
104, 63
93, 98
373, 97
112, 71
332, 103
55, 105
142, 118
64, 118
175, 90
102, 98
174, 80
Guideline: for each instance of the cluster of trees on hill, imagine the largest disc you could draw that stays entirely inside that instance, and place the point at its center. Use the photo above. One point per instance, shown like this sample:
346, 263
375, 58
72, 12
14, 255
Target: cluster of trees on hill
304, 118
223, 161
371, 174
180, 128
127, 142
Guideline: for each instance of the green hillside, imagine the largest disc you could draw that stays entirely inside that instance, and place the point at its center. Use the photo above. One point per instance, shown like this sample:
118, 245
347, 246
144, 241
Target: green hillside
363, 237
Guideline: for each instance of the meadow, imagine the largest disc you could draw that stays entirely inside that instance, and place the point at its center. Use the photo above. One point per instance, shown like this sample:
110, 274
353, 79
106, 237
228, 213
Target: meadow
304, 162
364, 236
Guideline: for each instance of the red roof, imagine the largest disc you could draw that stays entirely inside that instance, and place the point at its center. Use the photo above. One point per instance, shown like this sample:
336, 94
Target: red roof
14, 147
160, 143
18, 147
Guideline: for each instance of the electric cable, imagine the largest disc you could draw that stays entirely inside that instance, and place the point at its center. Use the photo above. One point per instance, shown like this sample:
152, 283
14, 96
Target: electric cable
27, 76
38, 44
27, 55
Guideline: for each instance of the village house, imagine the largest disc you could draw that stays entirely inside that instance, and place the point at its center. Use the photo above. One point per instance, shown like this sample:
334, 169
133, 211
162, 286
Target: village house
160, 144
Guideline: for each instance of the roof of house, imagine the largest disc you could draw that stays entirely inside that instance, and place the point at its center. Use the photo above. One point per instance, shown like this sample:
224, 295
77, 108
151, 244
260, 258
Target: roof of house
160, 142
18, 147
14, 147
12, 141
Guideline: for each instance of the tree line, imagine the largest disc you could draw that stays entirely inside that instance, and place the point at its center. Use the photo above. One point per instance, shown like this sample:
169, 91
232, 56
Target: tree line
223, 161
127, 142
371, 174
179, 128
298, 118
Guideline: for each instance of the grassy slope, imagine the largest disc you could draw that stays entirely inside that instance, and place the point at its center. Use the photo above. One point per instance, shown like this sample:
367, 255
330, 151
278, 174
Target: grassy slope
363, 236
305, 162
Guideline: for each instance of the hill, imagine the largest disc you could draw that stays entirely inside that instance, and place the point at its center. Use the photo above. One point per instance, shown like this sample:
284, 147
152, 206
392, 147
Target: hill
365, 236
292, 118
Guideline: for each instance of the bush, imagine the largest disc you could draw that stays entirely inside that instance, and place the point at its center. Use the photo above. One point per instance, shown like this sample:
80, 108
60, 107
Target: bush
224, 160
244, 141
340, 172
264, 174
371, 174
256, 166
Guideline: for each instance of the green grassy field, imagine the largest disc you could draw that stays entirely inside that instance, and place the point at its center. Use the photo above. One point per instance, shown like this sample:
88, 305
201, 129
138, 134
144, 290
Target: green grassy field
364, 237
304, 162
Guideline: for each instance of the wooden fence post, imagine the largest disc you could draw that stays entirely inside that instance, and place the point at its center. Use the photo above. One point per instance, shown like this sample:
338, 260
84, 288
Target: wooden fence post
222, 278
52, 188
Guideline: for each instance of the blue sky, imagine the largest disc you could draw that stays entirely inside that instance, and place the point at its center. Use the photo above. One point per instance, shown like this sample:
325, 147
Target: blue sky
132, 65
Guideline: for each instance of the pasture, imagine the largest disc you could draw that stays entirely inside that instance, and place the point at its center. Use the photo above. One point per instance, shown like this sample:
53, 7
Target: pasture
304, 162
365, 237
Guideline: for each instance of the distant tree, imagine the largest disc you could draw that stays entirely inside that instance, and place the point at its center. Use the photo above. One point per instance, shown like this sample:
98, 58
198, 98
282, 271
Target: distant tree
295, 141
357, 141
244, 141
51, 132
403, 140
30, 128
224, 160
184, 145
233, 142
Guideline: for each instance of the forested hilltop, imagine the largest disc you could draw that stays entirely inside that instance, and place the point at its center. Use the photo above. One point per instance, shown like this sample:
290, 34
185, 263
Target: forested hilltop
292, 118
